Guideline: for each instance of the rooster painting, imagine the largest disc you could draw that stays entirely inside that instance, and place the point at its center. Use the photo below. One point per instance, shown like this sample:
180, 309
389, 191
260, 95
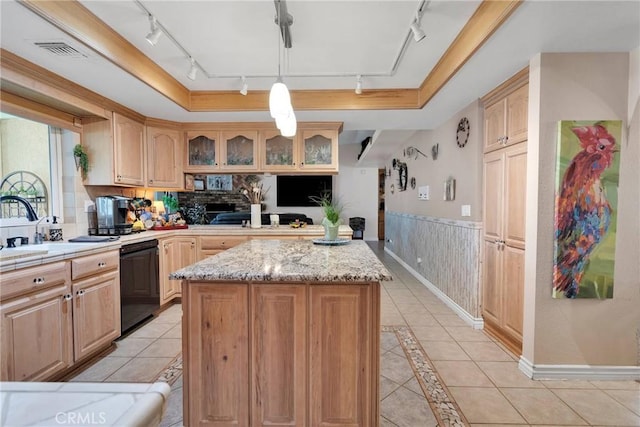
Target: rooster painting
584, 209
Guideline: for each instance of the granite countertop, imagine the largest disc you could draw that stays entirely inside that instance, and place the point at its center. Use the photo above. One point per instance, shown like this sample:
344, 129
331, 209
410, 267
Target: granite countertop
289, 261
72, 404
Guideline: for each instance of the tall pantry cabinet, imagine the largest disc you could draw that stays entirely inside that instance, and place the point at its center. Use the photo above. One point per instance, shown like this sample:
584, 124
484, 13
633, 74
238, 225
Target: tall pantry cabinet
504, 189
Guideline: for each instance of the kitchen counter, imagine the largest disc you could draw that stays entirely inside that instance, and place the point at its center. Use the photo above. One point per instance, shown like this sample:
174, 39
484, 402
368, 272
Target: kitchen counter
33, 255
289, 260
298, 322
72, 404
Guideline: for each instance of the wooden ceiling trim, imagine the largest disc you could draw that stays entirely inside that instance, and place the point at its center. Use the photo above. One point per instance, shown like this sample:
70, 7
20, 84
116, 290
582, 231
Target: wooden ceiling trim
487, 18
21, 107
77, 21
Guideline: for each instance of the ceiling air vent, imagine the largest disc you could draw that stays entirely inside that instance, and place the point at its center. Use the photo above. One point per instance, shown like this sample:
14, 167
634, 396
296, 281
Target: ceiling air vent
60, 49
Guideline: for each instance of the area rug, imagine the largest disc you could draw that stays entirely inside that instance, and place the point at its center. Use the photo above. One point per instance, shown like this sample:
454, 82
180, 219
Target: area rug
442, 404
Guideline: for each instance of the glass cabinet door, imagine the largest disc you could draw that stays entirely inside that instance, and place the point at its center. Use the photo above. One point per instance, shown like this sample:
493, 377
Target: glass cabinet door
239, 150
202, 151
319, 149
279, 151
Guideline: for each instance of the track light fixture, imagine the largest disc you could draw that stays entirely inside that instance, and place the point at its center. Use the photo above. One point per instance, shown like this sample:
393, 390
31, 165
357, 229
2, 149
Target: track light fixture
193, 70
245, 86
156, 31
418, 34
359, 84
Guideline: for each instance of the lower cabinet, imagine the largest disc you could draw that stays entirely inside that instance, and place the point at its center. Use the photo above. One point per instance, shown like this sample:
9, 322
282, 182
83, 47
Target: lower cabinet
58, 314
175, 253
281, 354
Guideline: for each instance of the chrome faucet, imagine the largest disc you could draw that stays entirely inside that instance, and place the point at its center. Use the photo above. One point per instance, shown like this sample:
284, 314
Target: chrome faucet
38, 238
31, 214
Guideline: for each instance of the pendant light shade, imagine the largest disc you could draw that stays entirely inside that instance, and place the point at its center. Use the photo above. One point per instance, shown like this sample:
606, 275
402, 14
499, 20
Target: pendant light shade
279, 100
290, 125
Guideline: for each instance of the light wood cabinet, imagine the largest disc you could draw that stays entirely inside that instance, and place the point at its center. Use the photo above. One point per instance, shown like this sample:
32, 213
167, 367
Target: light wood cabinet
279, 153
504, 243
57, 315
175, 253
212, 245
310, 353
116, 150
505, 121
202, 151
319, 150
164, 158
239, 150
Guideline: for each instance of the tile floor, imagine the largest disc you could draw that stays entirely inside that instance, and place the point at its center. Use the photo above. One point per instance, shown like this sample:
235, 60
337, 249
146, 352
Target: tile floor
479, 374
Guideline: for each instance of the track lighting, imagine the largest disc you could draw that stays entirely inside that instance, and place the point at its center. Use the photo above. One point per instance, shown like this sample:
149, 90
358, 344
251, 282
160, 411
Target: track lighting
245, 86
193, 70
156, 31
418, 34
358, 84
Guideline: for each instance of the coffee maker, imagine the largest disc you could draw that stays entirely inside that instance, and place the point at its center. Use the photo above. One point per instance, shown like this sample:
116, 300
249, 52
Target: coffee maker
113, 212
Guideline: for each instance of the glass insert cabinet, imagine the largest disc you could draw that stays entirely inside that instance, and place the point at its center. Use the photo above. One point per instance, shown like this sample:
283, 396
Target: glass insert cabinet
262, 150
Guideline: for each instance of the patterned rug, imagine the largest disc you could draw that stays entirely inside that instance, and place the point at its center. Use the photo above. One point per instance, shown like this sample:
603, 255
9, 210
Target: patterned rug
442, 404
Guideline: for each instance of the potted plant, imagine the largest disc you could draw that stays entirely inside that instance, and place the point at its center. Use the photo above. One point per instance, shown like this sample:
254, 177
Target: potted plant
332, 209
82, 160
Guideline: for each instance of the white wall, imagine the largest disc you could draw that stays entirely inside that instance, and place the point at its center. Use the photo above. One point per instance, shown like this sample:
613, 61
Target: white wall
583, 86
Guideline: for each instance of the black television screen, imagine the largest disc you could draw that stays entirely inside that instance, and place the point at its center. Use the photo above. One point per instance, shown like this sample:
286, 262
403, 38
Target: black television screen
295, 190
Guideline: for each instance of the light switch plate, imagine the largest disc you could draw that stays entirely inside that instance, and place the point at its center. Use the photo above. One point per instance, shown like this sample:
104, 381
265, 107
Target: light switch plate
466, 210
423, 192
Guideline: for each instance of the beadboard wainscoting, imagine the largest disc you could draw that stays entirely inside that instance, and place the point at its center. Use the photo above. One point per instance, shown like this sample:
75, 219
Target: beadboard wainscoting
449, 255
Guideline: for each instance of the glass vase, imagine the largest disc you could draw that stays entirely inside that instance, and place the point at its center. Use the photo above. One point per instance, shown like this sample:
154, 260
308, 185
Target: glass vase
330, 229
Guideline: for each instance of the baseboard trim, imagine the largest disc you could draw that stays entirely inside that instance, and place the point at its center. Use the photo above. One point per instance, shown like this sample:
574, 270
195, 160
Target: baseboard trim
578, 372
474, 322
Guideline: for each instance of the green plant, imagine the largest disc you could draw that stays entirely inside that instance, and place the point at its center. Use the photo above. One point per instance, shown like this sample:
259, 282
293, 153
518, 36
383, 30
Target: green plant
170, 202
331, 206
82, 159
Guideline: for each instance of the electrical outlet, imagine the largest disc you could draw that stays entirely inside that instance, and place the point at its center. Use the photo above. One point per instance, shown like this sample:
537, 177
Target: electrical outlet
423, 193
466, 210
419, 260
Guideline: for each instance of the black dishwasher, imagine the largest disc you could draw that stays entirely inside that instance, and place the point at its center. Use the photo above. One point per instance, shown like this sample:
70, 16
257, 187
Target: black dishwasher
139, 284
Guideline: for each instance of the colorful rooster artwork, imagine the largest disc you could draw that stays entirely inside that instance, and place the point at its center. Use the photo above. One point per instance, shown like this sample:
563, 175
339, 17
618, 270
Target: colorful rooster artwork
585, 215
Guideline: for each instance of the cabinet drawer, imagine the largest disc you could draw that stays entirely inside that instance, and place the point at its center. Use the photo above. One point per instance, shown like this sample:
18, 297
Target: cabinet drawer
217, 242
33, 279
93, 264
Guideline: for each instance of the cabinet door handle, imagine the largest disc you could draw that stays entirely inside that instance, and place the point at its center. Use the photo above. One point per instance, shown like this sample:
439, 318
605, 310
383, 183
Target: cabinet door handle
80, 292
67, 297
38, 280
102, 264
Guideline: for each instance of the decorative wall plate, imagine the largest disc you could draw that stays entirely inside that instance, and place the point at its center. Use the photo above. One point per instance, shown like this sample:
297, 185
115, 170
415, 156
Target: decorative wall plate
413, 182
462, 134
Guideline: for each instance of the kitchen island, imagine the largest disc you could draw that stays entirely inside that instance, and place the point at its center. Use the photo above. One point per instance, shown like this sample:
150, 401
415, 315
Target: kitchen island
282, 332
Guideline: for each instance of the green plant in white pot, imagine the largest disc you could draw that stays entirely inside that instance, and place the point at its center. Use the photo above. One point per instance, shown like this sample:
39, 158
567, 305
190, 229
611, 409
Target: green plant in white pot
332, 209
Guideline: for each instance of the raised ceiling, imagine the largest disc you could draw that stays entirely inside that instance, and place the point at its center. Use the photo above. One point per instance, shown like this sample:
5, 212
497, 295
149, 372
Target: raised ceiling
332, 42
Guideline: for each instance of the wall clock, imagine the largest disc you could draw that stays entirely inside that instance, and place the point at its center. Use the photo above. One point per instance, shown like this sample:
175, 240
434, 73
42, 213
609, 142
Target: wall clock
462, 134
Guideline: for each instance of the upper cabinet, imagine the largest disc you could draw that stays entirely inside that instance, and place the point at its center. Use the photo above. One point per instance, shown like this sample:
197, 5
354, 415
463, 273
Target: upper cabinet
164, 158
319, 150
505, 121
116, 150
202, 151
279, 153
239, 150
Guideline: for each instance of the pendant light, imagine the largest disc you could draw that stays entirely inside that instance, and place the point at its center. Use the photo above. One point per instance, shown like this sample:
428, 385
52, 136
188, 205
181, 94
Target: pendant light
279, 98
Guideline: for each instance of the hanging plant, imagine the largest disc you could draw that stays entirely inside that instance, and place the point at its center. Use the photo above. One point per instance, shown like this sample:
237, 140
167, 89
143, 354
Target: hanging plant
82, 160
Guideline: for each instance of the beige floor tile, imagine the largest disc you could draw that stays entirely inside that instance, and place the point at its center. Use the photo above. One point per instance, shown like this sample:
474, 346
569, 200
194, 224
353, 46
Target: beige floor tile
163, 347
400, 292
485, 405
437, 307
404, 299
596, 407
387, 386
386, 423
414, 386
617, 385
507, 374
175, 332
413, 308
485, 351
466, 333
567, 384
388, 340
444, 350
414, 319
140, 370
130, 347
407, 409
449, 320
629, 398
169, 317
392, 319
541, 406
431, 333
395, 367
498, 425
152, 330
101, 370
461, 373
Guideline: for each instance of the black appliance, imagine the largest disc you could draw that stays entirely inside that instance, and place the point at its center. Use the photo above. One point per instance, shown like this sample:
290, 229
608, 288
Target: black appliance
139, 283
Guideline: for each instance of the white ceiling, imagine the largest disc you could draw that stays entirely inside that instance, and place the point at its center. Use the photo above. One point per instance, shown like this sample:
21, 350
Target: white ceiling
330, 38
